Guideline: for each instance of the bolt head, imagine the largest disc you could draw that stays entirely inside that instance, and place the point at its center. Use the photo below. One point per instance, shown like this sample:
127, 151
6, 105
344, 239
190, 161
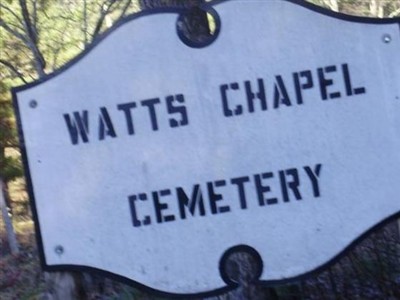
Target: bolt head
387, 38
59, 250
33, 104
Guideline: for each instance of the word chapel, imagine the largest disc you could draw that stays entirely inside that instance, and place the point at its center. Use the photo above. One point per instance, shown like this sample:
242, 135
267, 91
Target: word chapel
170, 112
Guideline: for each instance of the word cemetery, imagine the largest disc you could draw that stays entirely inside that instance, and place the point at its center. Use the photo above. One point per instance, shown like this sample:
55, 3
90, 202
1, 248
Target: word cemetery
290, 183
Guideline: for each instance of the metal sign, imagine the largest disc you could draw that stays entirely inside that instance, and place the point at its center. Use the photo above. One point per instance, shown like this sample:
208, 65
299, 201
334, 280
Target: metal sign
150, 159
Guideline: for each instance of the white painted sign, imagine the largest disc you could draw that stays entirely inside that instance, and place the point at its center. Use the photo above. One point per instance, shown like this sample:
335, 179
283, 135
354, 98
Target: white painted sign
150, 159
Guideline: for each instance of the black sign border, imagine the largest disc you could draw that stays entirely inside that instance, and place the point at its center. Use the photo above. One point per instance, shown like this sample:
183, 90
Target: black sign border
230, 285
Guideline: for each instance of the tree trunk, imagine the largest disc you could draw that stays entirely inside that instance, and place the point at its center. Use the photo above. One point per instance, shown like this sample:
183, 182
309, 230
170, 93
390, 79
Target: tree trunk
398, 223
376, 8
332, 4
64, 286
11, 238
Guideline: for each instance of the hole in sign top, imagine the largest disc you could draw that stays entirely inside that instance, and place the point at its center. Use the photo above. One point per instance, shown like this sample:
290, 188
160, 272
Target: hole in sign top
151, 160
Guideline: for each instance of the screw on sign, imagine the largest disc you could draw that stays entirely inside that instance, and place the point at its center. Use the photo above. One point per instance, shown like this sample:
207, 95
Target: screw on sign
243, 143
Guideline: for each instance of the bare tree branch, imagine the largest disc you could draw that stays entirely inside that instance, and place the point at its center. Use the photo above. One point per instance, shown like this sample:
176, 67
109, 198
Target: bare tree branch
13, 69
35, 16
31, 31
15, 27
12, 31
12, 12
32, 40
85, 23
394, 13
103, 14
124, 9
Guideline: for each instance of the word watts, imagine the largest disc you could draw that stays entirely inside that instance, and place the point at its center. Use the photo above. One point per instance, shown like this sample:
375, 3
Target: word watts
172, 113
260, 190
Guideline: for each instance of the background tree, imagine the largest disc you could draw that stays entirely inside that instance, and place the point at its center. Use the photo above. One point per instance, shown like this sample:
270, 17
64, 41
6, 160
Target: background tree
10, 167
370, 8
37, 37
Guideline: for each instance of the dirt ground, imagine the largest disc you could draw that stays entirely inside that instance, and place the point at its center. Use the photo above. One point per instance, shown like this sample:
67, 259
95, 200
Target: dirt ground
20, 275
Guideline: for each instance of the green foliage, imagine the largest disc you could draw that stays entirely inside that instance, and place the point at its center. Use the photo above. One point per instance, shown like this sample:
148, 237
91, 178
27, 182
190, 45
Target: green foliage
369, 8
43, 35
10, 166
36, 38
